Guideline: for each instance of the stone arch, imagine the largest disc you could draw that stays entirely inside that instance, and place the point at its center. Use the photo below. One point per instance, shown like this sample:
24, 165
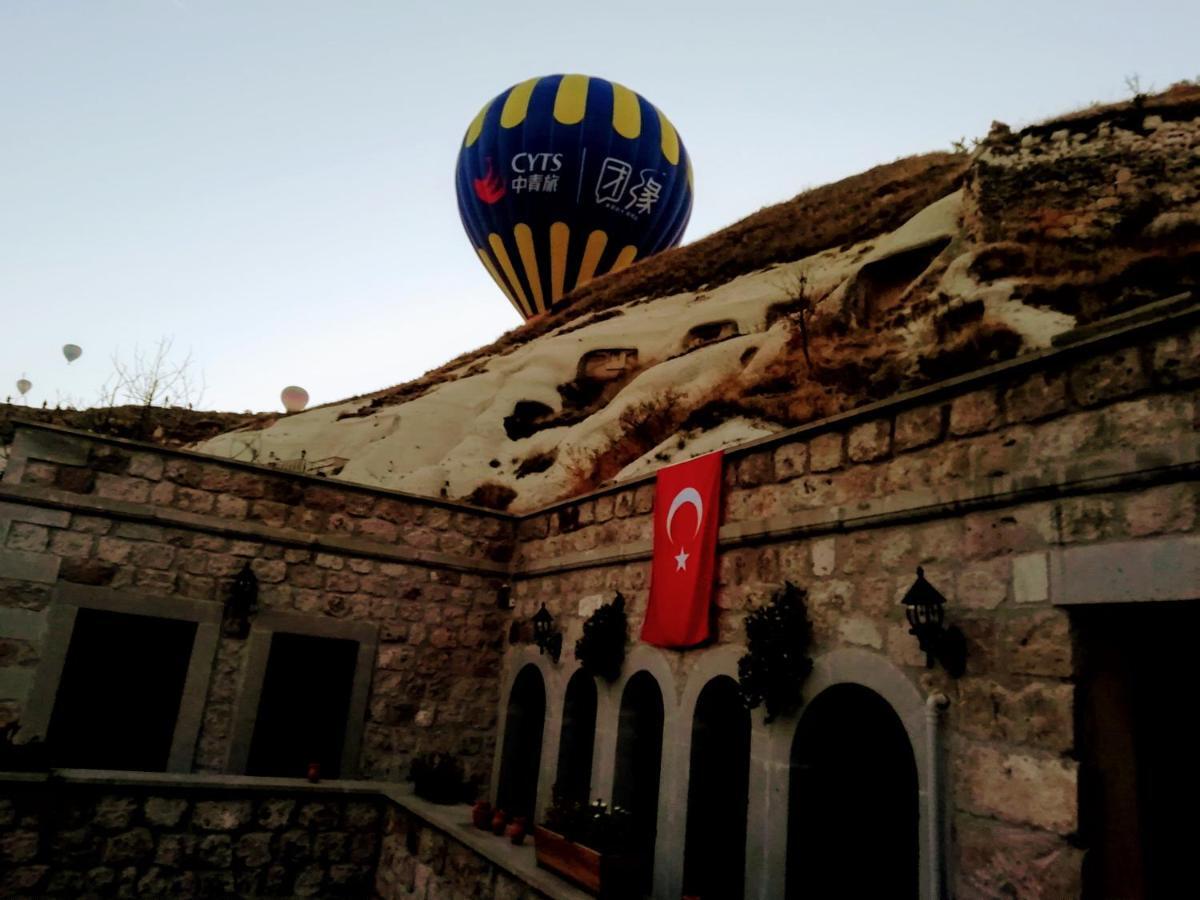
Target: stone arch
522, 660
677, 737
714, 853
919, 718
642, 658
852, 796
577, 737
637, 766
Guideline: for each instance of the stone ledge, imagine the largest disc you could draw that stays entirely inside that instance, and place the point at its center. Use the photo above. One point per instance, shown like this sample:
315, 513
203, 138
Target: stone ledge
53, 498
909, 506
164, 780
455, 822
63, 439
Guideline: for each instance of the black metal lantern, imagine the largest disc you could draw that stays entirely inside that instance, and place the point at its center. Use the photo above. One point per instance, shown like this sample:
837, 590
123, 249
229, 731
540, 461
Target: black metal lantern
544, 635
925, 608
241, 605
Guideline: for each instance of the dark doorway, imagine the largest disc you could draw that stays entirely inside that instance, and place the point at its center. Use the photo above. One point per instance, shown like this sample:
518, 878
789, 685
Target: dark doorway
574, 778
1139, 784
852, 812
521, 758
714, 860
304, 708
639, 762
119, 695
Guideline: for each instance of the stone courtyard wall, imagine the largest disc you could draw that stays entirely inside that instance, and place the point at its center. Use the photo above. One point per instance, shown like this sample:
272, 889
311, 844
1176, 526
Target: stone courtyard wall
980, 481
79, 509
124, 839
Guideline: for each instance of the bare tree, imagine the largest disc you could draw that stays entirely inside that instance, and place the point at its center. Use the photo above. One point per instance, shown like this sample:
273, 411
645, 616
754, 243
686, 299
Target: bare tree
801, 303
153, 378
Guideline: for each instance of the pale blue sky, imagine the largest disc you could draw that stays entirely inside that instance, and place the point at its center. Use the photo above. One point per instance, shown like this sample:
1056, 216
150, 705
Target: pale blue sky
271, 182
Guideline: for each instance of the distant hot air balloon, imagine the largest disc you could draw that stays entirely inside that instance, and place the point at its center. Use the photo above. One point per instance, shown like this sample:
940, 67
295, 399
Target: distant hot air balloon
72, 352
566, 177
23, 385
294, 398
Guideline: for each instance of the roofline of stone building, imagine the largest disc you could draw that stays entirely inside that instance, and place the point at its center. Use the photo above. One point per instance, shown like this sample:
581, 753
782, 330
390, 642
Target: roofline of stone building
257, 468
1116, 330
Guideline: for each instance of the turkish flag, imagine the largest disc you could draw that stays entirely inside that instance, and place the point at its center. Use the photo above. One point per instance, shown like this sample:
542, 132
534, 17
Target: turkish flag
687, 506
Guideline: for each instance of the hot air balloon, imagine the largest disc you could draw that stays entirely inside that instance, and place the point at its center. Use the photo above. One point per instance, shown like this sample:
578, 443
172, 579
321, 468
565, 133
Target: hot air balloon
566, 177
72, 352
23, 385
294, 398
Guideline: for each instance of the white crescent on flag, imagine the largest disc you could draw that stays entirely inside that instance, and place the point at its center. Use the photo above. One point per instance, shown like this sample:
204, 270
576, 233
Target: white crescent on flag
683, 498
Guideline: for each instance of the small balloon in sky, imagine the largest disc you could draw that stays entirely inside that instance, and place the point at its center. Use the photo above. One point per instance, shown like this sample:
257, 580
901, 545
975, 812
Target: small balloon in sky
72, 352
23, 385
294, 398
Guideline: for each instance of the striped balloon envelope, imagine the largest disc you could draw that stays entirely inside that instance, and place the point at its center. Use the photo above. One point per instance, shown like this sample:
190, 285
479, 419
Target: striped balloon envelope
566, 177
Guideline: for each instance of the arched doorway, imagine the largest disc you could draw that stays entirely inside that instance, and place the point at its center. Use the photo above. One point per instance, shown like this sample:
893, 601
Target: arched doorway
521, 758
638, 764
852, 812
714, 858
574, 774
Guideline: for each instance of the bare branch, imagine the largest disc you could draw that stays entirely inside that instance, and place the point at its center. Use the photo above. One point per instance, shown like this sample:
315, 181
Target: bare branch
152, 378
798, 297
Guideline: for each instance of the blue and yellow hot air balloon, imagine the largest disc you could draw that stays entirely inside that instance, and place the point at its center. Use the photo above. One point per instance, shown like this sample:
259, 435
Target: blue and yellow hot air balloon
566, 177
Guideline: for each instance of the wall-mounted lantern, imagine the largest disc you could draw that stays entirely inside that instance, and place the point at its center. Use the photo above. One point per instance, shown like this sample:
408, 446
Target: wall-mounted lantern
926, 610
544, 634
241, 605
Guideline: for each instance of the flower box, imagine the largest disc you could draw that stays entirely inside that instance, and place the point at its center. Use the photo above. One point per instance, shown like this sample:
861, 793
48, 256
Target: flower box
602, 874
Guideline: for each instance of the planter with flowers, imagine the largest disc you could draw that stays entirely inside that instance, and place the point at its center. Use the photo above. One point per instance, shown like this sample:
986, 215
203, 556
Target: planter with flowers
591, 845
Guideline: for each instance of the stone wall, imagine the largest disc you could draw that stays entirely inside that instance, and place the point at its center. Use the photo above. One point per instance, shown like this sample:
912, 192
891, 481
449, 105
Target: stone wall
67, 839
979, 481
86, 510
421, 860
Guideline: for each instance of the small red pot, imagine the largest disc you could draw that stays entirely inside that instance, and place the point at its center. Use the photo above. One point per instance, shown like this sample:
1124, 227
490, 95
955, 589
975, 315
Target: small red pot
481, 814
499, 820
314, 772
517, 829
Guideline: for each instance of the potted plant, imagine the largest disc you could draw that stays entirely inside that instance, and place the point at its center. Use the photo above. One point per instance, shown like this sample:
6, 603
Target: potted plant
590, 845
438, 778
778, 637
601, 649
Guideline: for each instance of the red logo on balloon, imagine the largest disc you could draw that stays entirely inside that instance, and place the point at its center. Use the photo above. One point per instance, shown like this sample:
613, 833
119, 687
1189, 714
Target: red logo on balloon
490, 188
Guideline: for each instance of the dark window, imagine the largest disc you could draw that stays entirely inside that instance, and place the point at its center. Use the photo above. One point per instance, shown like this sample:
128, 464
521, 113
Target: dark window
120, 691
521, 758
718, 792
639, 762
852, 820
1139, 784
304, 707
578, 737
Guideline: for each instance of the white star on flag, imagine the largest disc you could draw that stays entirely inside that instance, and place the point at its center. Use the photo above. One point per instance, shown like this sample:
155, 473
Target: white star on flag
681, 561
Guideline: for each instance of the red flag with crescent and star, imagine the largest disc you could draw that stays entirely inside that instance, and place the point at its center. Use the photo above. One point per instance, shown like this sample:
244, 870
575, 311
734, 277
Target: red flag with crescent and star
687, 506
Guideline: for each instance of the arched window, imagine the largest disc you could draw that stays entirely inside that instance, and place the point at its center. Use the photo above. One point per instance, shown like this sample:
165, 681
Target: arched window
521, 758
638, 763
852, 814
574, 778
714, 858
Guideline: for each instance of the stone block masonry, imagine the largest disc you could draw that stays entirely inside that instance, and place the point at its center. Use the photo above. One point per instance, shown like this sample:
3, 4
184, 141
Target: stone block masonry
147, 523
66, 838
